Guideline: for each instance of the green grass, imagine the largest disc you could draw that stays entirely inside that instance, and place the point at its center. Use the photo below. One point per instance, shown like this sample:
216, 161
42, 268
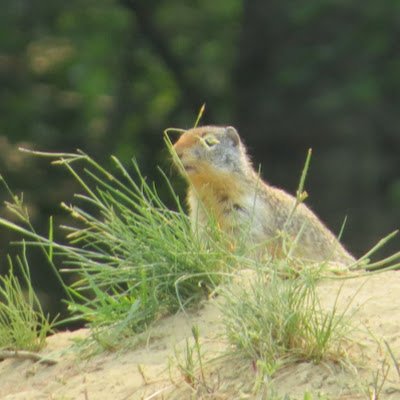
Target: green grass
136, 260
274, 320
23, 324
190, 363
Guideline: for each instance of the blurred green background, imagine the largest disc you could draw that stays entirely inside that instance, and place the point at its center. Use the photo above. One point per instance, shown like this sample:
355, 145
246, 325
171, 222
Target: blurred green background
109, 76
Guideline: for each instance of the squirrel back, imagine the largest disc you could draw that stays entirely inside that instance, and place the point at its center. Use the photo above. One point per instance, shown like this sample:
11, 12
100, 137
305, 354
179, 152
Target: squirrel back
224, 185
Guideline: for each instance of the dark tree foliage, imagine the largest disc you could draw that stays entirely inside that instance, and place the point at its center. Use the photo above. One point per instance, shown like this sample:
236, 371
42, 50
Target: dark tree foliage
109, 76
325, 74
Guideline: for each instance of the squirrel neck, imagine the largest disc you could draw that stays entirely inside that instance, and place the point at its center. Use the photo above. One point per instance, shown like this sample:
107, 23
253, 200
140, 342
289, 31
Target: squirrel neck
227, 190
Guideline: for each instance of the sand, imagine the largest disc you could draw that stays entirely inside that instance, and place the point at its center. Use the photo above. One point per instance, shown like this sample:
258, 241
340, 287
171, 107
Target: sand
151, 369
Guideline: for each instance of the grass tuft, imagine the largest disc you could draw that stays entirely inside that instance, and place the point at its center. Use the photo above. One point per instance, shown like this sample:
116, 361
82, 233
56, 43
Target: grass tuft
273, 320
23, 325
136, 260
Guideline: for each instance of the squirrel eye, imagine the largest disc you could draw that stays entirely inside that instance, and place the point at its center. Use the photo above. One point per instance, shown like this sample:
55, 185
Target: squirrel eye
210, 140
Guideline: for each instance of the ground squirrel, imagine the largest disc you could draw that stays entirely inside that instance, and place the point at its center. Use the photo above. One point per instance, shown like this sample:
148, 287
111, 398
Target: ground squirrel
223, 184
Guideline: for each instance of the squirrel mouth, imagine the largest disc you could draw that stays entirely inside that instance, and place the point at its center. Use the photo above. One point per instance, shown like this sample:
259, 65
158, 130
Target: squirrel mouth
189, 168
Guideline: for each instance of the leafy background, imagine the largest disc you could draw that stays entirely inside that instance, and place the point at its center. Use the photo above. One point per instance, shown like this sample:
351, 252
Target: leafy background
109, 76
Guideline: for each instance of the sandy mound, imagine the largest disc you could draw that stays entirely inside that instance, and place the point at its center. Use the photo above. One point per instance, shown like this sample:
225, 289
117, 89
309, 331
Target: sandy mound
151, 370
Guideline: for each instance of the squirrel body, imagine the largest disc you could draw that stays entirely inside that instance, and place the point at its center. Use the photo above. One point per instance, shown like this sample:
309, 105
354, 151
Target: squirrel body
224, 185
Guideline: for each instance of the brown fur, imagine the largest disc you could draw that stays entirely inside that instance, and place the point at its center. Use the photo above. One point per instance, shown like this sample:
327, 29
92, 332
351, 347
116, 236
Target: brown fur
223, 184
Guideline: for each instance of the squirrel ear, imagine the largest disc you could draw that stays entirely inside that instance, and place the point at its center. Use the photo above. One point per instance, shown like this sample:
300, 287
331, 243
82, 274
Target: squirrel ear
233, 135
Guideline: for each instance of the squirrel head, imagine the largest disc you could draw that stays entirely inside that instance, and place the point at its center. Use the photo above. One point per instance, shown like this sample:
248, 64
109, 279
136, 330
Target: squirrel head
211, 153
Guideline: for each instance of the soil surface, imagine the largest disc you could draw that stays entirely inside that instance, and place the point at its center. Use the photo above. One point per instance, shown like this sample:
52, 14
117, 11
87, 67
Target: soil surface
151, 370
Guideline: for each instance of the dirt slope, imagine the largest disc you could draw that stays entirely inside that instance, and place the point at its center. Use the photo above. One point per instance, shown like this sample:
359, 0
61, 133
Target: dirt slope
150, 371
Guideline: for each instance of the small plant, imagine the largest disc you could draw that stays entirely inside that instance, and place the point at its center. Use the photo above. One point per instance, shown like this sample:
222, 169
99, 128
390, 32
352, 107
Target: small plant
379, 377
273, 320
191, 366
23, 325
374, 388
